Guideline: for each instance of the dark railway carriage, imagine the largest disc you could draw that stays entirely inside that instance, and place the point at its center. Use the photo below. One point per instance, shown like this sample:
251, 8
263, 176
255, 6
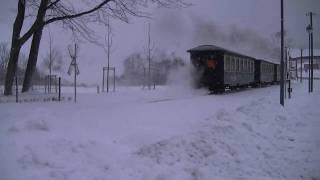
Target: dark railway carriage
276, 73
265, 72
219, 68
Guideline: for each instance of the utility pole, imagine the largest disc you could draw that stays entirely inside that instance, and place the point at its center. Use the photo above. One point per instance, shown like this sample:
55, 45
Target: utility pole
301, 51
149, 58
285, 72
310, 32
75, 73
108, 47
50, 61
296, 68
309, 65
281, 64
311, 43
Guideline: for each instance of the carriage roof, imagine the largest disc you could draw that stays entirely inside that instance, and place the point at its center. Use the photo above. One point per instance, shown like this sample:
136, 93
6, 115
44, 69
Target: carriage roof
211, 48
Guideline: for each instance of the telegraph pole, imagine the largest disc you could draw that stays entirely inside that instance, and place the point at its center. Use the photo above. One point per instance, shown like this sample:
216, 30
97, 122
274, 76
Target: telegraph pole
309, 58
301, 51
311, 43
281, 64
296, 69
50, 61
108, 46
75, 73
310, 33
149, 58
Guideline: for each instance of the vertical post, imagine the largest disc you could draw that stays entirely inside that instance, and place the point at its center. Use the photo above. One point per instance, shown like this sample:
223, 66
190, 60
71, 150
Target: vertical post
289, 89
301, 51
281, 64
55, 83
311, 43
285, 73
98, 89
17, 91
103, 79
45, 84
144, 77
109, 47
149, 58
309, 65
75, 73
50, 61
108, 68
114, 79
59, 97
296, 68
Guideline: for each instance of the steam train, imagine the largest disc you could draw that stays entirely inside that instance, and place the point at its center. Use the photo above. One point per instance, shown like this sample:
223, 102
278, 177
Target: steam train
219, 69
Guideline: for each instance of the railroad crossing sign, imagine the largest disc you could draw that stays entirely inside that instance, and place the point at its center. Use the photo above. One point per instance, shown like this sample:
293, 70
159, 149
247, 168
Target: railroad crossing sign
73, 67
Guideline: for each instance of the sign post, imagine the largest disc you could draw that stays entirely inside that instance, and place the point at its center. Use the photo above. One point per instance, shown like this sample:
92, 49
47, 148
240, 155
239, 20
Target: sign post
74, 67
282, 89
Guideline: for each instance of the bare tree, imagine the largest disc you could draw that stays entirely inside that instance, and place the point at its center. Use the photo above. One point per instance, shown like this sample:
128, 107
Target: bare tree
4, 57
150, 48
71, 15
53, 61
107, 49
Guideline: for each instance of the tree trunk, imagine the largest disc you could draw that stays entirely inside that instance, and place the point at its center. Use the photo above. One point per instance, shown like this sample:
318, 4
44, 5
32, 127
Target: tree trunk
34, 50
15, 48
12, 68
32, 61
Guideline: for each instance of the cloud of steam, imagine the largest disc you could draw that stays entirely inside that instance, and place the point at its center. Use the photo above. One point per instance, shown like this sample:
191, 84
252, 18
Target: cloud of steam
182, 81
244, 41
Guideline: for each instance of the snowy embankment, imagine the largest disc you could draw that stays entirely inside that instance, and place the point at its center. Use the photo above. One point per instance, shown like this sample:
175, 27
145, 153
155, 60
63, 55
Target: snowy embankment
166, 134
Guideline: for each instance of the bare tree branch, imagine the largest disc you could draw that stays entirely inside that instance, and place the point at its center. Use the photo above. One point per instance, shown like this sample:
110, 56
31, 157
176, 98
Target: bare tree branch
71, 16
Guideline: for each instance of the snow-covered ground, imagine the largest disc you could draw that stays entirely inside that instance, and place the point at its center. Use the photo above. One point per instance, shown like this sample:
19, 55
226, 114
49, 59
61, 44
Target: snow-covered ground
170, 133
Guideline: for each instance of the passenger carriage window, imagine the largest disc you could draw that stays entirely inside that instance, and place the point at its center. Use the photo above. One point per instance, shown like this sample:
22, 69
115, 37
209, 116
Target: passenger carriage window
232, 63
242, 66
236, 62
253, 66
245, 65
252, 69
269, 68
227, 63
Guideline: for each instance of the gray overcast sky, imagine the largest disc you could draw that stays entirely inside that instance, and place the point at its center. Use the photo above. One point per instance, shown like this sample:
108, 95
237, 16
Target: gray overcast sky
173, 30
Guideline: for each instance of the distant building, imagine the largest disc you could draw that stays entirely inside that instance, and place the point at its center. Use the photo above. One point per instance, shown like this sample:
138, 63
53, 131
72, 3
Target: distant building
305, 62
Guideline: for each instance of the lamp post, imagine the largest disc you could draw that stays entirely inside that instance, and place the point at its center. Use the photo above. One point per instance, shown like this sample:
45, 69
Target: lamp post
281, 63
301, 51
310, 67
310, 32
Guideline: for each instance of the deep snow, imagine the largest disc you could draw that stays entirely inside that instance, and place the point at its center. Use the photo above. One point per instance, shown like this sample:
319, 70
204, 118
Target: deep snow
170, 133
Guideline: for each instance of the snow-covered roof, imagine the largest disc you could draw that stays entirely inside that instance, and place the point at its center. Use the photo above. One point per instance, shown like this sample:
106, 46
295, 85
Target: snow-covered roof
203, 48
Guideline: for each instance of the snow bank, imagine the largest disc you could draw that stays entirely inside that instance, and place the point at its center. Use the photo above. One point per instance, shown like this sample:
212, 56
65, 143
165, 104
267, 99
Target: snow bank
136, 134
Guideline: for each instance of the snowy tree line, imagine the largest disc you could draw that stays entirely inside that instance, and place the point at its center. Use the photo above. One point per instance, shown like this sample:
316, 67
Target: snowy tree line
56, 61
136, 68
